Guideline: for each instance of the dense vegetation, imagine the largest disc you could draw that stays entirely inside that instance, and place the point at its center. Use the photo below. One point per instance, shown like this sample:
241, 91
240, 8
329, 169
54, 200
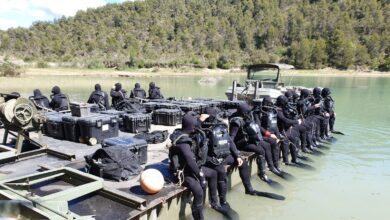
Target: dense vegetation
212, 33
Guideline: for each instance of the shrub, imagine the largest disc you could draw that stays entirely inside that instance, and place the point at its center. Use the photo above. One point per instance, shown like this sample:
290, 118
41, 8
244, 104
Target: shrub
42, 64
10, 69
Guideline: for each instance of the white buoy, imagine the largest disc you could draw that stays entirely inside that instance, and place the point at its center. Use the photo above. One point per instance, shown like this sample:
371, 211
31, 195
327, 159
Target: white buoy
152, 181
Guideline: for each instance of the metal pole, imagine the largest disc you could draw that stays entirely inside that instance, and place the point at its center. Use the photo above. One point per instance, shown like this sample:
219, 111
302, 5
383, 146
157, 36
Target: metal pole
234, 91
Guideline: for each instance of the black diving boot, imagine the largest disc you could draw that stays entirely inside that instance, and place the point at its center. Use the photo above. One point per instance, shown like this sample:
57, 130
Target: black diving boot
261, 166
197, 212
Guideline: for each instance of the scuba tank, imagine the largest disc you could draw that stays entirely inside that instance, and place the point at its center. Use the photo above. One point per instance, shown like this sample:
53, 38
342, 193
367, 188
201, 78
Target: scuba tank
269, 120
252, 132
219, 145
101, 102
291, 111
328, 104
199, 146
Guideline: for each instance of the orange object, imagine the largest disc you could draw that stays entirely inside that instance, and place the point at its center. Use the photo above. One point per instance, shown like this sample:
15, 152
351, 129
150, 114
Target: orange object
152, 181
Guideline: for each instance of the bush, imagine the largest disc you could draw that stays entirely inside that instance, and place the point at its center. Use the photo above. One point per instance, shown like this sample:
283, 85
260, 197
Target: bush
94, 64
386, 65
223, 62
10, 69
42, 64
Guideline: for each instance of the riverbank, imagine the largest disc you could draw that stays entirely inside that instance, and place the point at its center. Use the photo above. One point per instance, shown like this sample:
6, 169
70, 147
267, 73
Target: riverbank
162, 72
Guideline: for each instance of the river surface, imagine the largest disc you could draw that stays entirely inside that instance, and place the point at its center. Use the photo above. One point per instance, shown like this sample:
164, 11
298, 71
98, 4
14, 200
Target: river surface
350, 181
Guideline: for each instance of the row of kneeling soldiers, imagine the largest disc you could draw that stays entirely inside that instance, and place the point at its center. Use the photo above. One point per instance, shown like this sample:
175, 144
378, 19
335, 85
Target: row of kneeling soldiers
205, 143
60, 102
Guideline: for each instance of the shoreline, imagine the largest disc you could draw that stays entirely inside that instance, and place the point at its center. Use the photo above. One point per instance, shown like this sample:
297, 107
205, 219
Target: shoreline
164, 72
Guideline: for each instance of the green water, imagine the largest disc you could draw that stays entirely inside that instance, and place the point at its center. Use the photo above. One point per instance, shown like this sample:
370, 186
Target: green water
352, 179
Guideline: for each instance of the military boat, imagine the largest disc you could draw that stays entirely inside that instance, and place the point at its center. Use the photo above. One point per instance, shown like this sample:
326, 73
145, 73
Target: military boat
262, 80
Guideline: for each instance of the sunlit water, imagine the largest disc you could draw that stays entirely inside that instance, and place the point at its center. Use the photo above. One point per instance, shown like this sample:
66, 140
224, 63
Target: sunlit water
352, 179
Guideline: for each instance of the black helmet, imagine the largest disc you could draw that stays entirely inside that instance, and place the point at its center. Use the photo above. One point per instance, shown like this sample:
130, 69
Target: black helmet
325, 92
137, 85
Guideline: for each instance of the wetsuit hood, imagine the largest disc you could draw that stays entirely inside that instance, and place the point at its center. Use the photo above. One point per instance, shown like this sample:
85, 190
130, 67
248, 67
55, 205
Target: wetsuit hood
137, 86
243, 108
316, 92
281, 101
56, 90
267, 101
189, 123
289, 94
305, 93
37, 93
98, 87
118, 87
325, 92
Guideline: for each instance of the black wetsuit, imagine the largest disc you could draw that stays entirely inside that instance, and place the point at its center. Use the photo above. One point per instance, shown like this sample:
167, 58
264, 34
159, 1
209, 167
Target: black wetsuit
138, 92
228, 158
118, 95
329, 107
59, 101
191, 165
154, 92
287, 129
100, 98
240, 122
41, 101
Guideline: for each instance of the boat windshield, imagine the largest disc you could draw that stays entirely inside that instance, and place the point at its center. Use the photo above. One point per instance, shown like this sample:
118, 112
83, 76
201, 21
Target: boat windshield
263, 74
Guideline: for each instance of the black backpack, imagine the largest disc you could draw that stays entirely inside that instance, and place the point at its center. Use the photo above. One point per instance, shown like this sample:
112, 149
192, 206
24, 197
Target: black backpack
114, 162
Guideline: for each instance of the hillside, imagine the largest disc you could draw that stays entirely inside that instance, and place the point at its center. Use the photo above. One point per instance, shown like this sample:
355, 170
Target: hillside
212, 33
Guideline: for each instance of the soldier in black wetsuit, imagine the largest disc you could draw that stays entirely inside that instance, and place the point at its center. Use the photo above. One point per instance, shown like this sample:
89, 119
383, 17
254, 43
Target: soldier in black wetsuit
187, 156
329, 107
247, 136
117, 94
287, 127
291, 112
154, 91
320, 113
59, 101
138, 92
267, 118
41, 101
222, 151
100, 98
306, 109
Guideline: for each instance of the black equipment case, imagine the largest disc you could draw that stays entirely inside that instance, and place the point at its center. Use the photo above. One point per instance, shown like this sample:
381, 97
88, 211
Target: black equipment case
96, 128
190, 107
150, 106
72, 128
135, 145
117, 113
136, 122
168, 117
53, 126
